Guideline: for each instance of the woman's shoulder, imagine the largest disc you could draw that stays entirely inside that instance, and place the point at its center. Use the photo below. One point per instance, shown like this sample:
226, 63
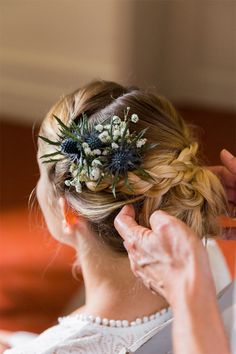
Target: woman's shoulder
64, 336
218, 264
73, 335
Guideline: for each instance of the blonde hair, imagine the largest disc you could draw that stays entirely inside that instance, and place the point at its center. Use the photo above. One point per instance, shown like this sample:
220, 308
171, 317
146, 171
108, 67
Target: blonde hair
179, 184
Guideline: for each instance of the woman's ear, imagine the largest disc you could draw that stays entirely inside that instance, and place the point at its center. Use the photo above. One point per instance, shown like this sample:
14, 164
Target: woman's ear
70, 221
74, 225
68, 217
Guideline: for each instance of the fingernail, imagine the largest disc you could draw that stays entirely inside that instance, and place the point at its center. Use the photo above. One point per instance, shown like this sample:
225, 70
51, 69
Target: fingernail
228, 154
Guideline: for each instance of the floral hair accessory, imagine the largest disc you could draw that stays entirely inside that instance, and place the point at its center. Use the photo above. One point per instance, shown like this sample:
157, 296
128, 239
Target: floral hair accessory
104, 150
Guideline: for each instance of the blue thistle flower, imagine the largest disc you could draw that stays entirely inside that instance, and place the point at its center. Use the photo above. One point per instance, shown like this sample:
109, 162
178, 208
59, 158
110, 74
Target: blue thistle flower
123, 159
93, 140
71, 148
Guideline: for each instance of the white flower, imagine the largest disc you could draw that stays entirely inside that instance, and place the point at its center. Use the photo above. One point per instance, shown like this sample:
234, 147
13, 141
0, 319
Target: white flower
96, 162
114, 146
116, 134
87, 151
107, 126
95, 173
104, 137
83, 176
85, 145
123, 125
116, 120
78, 187
67, 183
73, 182
96, 152
105, 152
141, 142
99, 127
134, 118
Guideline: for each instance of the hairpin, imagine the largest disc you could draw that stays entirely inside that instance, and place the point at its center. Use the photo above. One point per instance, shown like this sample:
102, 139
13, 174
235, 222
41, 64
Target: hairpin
100, 151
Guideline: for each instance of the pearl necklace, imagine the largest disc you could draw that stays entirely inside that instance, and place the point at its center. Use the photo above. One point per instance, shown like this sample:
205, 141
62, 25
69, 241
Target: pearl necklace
162, 315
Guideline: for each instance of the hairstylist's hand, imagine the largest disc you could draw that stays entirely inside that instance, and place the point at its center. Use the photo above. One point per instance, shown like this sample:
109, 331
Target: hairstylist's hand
166, 257
172, 261
227, 174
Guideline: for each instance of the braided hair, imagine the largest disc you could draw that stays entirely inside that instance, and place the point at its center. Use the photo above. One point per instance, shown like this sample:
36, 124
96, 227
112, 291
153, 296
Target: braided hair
178, 183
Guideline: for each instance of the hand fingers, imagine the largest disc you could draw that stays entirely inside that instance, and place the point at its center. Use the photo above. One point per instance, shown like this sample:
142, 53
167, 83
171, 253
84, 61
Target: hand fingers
228, 160
158, 218
126, 225
156, 287
228, 179
125, 221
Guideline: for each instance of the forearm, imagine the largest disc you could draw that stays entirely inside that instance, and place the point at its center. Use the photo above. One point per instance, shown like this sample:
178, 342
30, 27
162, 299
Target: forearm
198, 327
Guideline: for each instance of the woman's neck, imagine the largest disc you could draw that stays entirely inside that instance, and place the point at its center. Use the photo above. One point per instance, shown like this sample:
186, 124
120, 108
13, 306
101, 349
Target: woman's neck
112, 291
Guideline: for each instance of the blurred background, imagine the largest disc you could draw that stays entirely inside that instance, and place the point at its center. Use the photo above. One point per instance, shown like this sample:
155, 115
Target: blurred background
186, 49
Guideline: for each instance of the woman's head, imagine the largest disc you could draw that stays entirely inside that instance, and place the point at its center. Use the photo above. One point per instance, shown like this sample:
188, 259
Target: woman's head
178, 184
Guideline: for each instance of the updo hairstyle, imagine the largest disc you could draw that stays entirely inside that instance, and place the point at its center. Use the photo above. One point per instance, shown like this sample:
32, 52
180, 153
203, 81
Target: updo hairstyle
179, 184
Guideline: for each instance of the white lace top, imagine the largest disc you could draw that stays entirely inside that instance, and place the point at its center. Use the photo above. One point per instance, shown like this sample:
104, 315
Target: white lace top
75, 336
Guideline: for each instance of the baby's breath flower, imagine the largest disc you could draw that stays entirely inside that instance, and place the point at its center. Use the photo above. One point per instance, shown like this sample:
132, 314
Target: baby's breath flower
141, 142
87, 151
96, 162
123, 125
95, 173
85, 145
96, 152
116, 120
99, 127
73, 182
116, 134
105, 152
134, 118
78, 187
114, 146
104, 136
